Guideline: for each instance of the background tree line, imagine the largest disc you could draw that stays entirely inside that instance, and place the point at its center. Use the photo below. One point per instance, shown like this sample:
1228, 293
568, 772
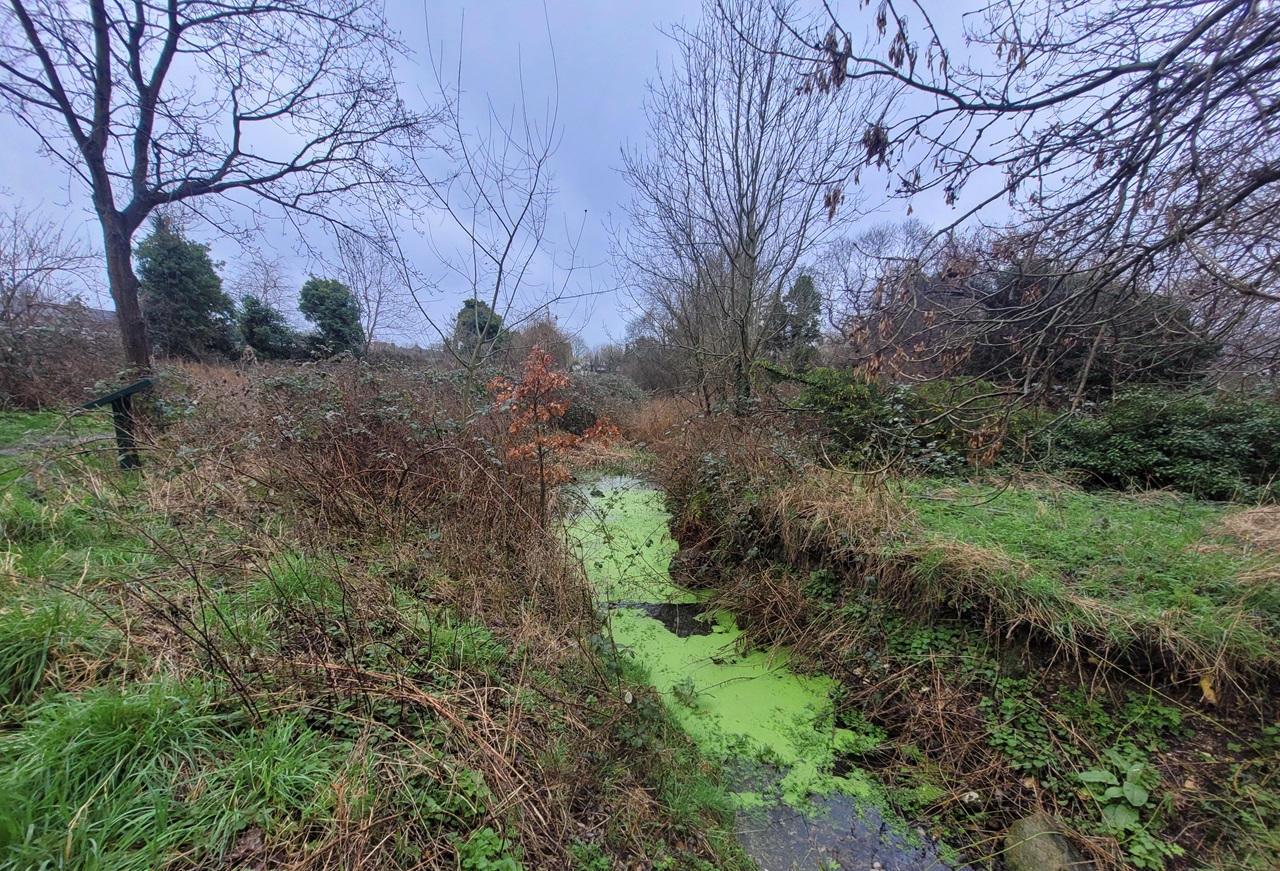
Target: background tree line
1145, 255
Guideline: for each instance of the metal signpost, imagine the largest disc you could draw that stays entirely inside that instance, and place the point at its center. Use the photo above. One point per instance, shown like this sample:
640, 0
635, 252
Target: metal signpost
121, 403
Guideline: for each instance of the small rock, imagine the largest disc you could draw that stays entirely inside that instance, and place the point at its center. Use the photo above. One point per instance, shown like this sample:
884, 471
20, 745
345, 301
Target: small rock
1036, 843
970, 797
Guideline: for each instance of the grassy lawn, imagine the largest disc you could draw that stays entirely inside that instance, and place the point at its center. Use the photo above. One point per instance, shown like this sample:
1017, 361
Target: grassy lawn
1114, 568
1154, 578
1102, 544
22, 428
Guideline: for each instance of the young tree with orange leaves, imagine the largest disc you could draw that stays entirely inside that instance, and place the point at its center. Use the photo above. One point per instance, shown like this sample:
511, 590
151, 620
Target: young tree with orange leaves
537, 403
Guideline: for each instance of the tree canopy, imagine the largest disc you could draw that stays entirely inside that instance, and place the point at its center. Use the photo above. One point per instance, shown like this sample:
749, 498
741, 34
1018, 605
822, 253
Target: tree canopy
334, 310
478, 329
186, 309
265, 329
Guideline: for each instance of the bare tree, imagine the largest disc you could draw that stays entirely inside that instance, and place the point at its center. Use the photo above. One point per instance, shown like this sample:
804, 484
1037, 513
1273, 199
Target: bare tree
743, 174
489, 217
51, 346
151, 103
39, 264
368, 266
855, 271
263, 276
1131, 137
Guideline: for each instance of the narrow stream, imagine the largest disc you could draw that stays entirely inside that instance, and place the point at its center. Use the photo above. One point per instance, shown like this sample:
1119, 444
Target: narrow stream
772, 729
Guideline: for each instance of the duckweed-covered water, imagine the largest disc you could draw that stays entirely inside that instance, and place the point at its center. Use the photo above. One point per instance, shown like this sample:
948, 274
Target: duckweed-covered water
771, 728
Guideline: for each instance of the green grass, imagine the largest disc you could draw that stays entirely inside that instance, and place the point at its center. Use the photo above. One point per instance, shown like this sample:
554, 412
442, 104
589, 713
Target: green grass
1086, 567
92, 780
22, 428
45, 636
1102, 545
127, 778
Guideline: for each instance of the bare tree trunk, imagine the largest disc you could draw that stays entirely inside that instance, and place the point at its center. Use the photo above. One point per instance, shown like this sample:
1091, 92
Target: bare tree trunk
124, 291
1084, 374
315, 77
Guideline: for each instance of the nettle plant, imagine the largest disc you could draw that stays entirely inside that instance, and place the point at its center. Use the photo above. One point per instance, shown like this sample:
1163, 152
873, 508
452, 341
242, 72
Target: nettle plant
537, 403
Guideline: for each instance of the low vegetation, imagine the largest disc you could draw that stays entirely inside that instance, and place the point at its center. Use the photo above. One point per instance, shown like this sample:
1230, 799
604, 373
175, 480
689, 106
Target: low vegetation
324, 627
1006, 640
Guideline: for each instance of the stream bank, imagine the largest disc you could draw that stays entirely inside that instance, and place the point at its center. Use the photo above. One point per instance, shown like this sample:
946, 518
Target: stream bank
772, 730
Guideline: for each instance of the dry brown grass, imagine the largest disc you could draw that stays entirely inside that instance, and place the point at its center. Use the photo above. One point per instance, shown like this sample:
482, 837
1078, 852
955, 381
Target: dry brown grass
658, 418
346, 453
593, 455
1256, 528
359, 469
833, 513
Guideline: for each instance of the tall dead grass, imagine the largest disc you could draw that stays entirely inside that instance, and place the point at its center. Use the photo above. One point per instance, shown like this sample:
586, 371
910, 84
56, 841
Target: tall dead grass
349, 453
53, 360
1257, 528
658, 418
430, 607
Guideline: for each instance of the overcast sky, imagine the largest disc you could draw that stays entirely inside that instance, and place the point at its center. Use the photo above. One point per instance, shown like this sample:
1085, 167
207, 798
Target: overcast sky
594, 57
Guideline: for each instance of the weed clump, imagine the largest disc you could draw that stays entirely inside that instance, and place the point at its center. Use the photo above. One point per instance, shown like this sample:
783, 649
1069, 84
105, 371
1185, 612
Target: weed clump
325, 626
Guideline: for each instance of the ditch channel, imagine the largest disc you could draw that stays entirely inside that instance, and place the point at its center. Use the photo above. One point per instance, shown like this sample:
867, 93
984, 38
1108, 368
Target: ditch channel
800, 805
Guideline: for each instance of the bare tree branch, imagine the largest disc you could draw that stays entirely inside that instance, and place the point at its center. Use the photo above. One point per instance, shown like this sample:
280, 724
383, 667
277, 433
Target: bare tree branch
292, 102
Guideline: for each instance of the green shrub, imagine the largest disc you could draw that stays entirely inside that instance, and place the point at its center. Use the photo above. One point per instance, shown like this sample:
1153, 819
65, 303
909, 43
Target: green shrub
938, 427
593, 396
1209, 446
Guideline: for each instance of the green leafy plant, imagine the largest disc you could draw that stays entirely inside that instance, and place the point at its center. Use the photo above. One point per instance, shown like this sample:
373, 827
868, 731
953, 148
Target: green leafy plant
823, 585
1213, 446
686, 691
589, 857
1123, 790
486, 850
937, 428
